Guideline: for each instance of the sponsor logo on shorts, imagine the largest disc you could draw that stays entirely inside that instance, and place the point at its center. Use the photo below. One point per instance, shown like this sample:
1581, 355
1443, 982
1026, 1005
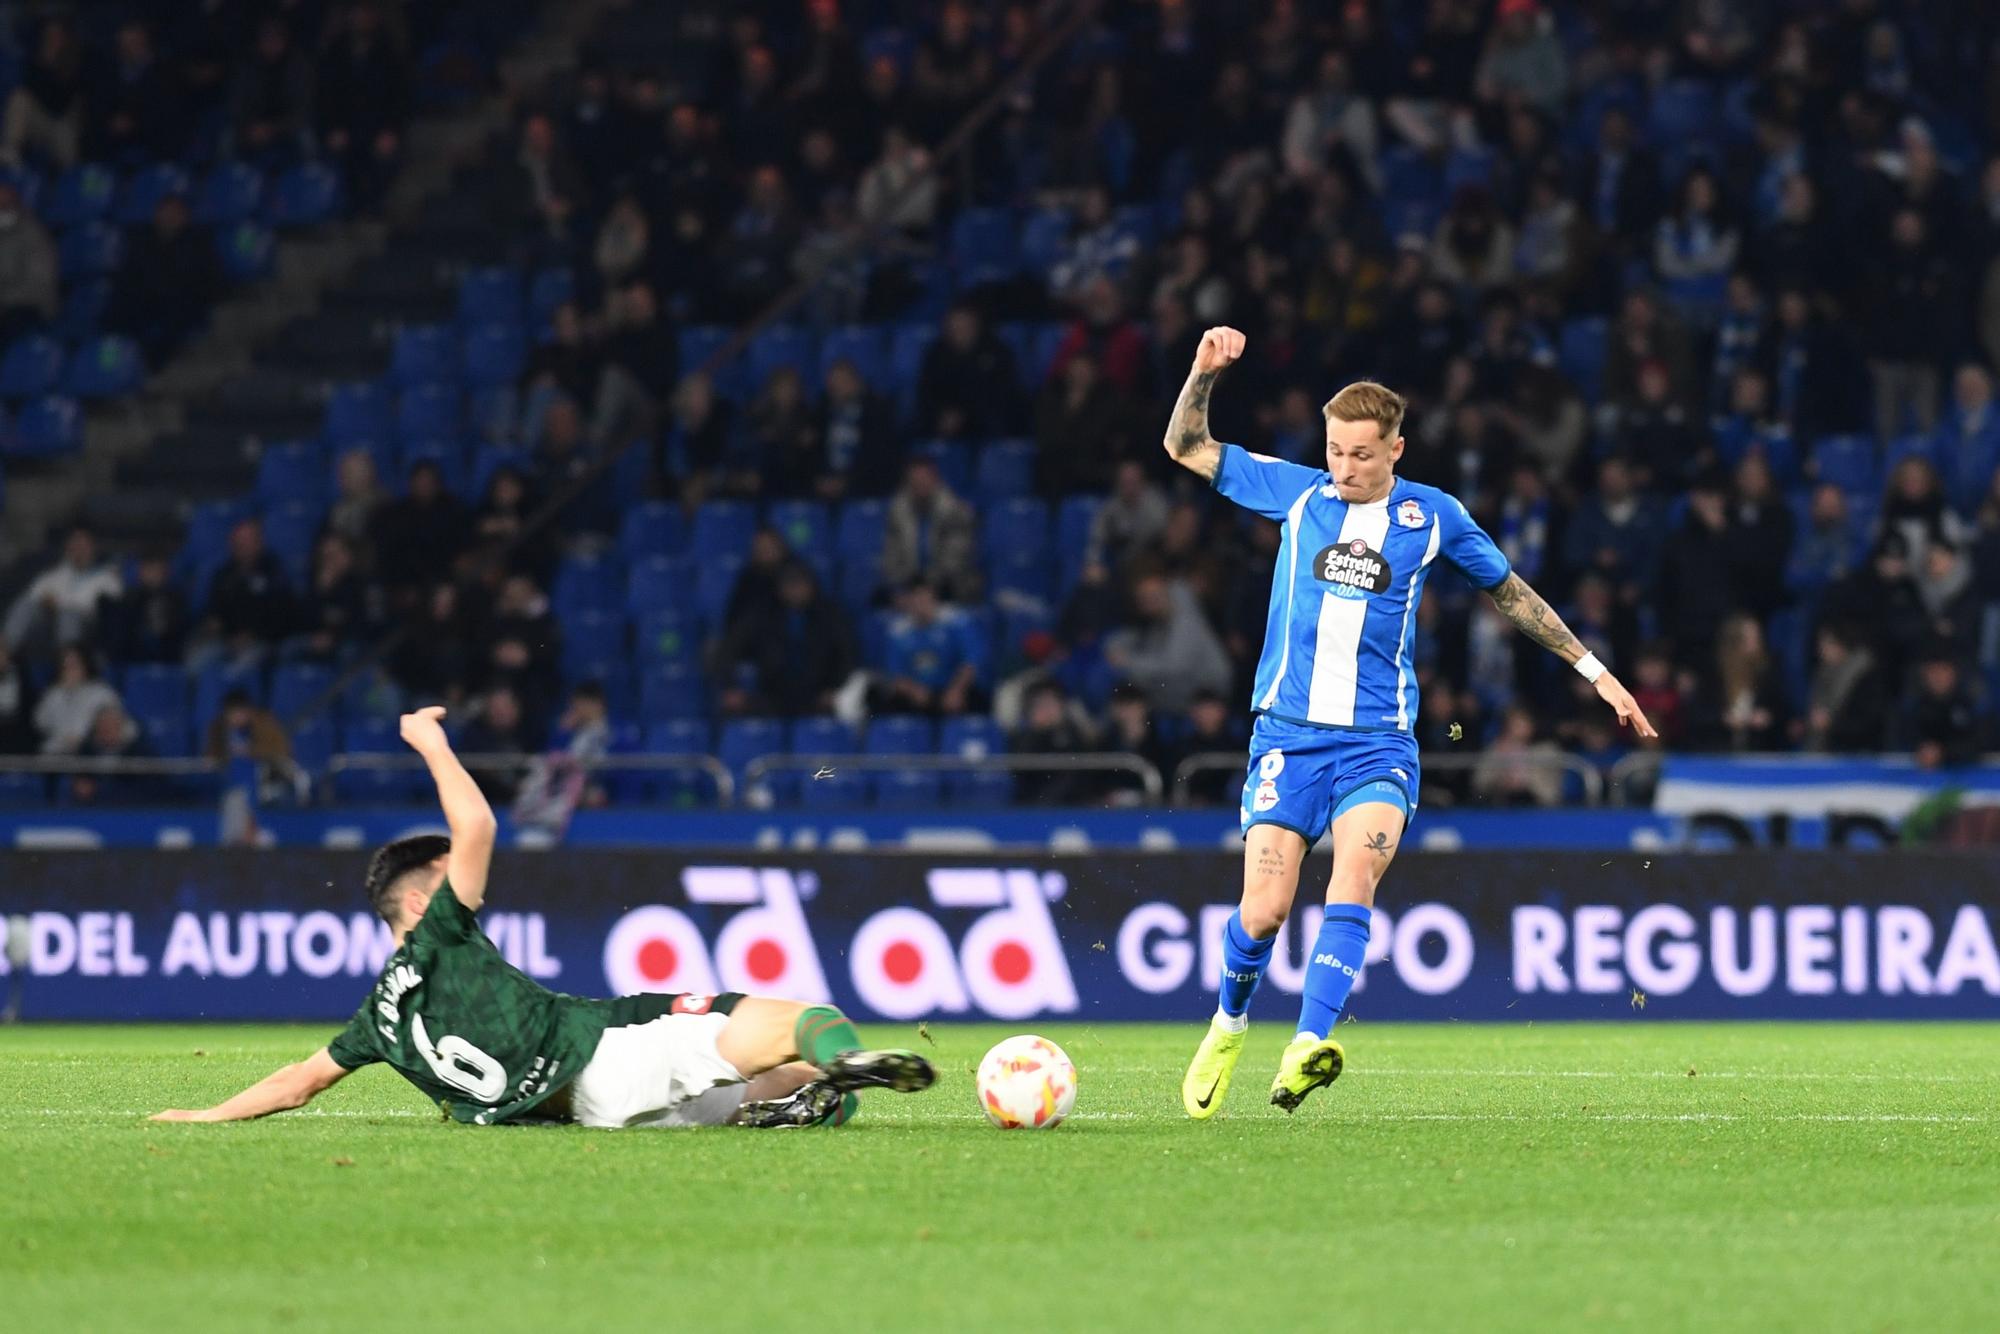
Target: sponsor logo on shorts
688, 1003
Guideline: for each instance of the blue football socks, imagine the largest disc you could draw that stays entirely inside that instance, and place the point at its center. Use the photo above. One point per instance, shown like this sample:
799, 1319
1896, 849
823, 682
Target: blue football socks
1243, 961
1337, 957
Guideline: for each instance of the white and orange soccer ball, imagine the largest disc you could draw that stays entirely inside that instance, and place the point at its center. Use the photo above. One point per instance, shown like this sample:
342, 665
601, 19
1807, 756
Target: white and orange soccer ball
1027, 1082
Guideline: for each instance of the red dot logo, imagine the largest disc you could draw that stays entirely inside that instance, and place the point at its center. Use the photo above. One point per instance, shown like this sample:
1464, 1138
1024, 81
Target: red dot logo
1012, 963
903, 962
657, 960
766, 961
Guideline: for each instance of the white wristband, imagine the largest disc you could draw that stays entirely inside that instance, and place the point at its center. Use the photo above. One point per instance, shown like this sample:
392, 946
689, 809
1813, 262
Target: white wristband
1589, 668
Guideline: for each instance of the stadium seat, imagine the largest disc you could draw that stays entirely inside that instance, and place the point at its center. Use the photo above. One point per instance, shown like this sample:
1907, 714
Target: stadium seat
83, 307
588, 581
668, 635
491, 296
46, 427
357, 413
653, 528
448, 456
980, 787
982, 246
169, 734
843, 789
680, 736
494, 355
1022, 574
715, 581
547, 290
741, 740
105, 367
658, 583
305, 196
371, 695
901, 734
805, 526
1017, 526
424, 354
1469, 166
1043, 239
376, 736
428, 412
313, 743
860, 530
953, 459
1850, 462
723, 528
784, 345
82, 194
296, 685
89, 250
591, 636
32, 366
970, 736
144, 191
862, 344
1683, 112
907, 348
1006, 470
229, 194
290, 530
292, 470
821, 736
216, 680
670, 691
1581, 352
908, 789
155, 689
248, 250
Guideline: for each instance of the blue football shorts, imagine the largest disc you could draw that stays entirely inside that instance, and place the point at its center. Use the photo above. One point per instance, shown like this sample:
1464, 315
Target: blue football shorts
1300, 777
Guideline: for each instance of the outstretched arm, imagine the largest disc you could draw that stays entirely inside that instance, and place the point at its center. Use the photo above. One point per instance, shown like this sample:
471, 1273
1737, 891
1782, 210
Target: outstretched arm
1534, 618
1188, 439
470, 819
280, 1091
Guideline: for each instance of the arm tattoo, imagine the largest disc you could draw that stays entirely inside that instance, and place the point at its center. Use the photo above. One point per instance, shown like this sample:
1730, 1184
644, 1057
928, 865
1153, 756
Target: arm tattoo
1524, 607
1187, 432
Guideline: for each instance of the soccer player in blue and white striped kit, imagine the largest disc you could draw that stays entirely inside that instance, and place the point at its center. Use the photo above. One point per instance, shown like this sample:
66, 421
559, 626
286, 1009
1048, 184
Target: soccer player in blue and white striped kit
1336, 695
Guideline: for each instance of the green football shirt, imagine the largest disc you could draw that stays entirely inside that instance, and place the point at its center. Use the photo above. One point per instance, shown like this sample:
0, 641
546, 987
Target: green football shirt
480, 1037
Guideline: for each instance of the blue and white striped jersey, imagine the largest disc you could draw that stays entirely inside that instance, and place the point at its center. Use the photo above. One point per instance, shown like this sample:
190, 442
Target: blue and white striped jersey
1343, 620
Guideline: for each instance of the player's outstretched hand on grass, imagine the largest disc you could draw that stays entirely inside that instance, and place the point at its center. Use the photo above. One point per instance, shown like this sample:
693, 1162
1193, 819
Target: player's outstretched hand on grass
178, 1114
1614, 693
1219, 347
424, 729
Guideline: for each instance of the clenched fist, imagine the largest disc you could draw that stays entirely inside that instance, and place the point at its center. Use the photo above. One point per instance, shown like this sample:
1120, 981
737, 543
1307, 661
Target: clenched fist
1219, 346
423, 729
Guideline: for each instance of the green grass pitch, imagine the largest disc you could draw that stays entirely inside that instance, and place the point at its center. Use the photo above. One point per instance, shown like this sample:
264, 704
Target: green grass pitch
1638, 1176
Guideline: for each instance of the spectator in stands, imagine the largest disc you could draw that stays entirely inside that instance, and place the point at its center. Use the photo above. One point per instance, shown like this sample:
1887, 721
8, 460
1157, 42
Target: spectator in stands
1616, 532
562, 779
1815, 368
1168, 648
780, 423
28, 267
1906, 283
1741, 707
148, 621
790, 659
246, 729
1211, 731
754, 260
112, 736
1100, 246
1951, 606
67, 709
853, 451
1051, 725
435, 659
61, 606
1621, 188
931, 534
361, 98
1524, 62
271, 103
421, 534
16, 731
527, 646
1658, 690
1130, 520
499, 728
1880, 599
1082, 429
1760, 539
168, 281
135, 111
1938, 719
1845, 701
1695, 588
45, 113
969, 388
1104, 333
335, 612
1655, 432
1826, 550
953, 67
1695, 249
249, 606
755, 597
563, 459
1517, 768
1474, 246
1131, 728
358, 497
1331, 126
898, 191
623, 238
934, 657
567, 363
699, 450
639, 367
1968, 439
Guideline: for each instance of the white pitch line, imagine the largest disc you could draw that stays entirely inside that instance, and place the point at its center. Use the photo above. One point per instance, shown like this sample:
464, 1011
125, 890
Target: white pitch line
1895, 1077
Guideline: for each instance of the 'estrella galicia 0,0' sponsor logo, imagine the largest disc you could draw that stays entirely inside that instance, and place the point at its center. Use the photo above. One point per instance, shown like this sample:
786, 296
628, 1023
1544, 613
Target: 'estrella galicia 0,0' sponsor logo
1354, 568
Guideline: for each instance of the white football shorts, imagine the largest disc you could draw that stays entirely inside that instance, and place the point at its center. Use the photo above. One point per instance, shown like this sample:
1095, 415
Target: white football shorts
662, 1073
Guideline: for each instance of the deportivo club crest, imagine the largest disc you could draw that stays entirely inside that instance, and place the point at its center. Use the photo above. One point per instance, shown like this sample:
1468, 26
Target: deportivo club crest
1410, 514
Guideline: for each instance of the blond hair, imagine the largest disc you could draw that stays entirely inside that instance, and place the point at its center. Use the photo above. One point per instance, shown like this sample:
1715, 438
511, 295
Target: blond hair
1367, 401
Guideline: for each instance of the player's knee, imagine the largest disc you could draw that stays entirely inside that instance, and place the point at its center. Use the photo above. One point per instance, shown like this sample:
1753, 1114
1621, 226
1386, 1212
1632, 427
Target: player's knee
1264, 909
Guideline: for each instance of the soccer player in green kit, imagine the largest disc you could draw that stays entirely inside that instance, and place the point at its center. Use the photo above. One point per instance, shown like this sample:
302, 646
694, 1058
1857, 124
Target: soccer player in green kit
489, 1044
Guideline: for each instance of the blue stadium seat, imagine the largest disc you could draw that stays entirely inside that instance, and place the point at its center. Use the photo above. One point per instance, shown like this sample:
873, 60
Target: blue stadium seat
230, 193
1468, 166
953, 459
494, 354
855, 581
169, 734
447, 454
89, 250
907, 347
82, 194
970, 736
491, 296
1410, 176
155, 688
31, 366
295, 685
1073, 524
428, 412
1044, 238
859, 532
1914, 447
821, 736
424, 354
909, 789
490, 459
1021, 574
983, 246
1017, 526
658, 583
672, 690
715, 580
493, 413
376, 736
305, 196
680, 736
144, 191
984, 788
723, 527
740, 740
805, 526
653, 528
1850, 462
372, 695
290, 530
591, 636
83, 307
1006, 469
588, 581
901, 734
784, 345
548, 289
313, 744
1581, 351
248, 250
46, 426
1684, 111
670, 634
357, 413
842, 789
107, 366
862, 344
218, 679
292, 470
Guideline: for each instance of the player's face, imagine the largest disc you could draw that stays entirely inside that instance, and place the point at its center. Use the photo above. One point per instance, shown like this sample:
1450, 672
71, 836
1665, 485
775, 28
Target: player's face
1363, 464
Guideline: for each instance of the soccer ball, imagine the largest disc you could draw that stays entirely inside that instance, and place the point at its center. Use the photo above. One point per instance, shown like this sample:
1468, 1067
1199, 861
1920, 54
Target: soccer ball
1028, 1082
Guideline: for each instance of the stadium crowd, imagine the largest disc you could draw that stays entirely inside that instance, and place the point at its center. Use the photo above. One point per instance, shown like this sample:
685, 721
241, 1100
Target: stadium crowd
1697, 305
